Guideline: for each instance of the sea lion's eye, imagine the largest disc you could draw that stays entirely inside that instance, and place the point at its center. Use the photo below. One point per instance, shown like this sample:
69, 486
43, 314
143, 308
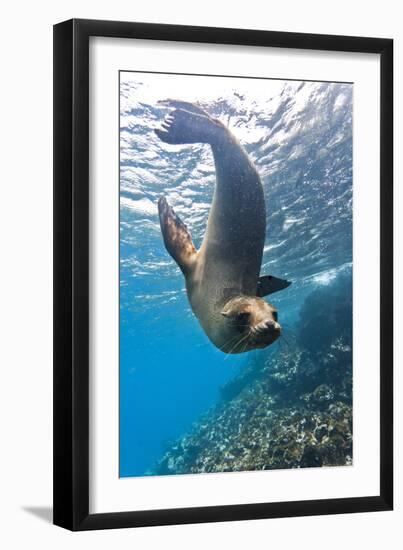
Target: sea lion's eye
242, 316
275, 316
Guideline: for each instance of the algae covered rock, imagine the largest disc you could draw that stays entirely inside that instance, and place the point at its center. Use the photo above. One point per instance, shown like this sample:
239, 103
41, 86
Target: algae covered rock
290, 409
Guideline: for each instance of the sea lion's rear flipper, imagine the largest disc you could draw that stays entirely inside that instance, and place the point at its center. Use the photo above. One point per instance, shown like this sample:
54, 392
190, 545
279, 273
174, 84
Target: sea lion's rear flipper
269, 284
177, 238
185, 105
188, 123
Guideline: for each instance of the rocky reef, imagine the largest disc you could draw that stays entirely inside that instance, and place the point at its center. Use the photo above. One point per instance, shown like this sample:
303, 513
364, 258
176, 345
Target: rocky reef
289, 409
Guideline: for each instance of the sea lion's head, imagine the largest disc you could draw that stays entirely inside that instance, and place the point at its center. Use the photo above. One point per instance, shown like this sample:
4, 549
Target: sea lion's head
253, 323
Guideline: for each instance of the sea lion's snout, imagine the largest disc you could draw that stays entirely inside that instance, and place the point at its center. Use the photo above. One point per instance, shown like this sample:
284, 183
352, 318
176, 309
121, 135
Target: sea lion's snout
265, 333
268, 325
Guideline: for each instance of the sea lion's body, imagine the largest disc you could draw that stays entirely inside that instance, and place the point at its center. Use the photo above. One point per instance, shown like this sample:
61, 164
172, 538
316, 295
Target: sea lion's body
222, 278
230, 256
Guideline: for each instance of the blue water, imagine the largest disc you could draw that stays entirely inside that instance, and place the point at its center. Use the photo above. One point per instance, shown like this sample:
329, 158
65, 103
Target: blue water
300, 137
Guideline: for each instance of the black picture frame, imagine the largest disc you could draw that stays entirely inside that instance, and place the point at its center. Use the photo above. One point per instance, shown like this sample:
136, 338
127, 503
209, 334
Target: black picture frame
71, 274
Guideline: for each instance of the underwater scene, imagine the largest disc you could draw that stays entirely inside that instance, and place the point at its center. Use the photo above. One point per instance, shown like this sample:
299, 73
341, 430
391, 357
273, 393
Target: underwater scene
235, 274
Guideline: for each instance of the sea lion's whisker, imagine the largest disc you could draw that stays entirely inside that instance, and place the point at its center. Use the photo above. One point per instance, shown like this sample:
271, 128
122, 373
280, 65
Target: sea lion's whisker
286, 341
230, 340
227, 344
280, 343
234, 338
243, 338
245, 346
230, 351
246, 343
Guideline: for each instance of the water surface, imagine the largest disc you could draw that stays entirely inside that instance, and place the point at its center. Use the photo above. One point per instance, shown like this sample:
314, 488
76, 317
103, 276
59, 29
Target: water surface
299, 136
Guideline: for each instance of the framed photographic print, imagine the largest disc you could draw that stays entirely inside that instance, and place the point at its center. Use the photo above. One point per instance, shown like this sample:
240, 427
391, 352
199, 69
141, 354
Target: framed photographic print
223, 321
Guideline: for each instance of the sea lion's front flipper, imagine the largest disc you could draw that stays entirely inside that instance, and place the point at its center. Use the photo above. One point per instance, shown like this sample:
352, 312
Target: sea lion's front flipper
269, 284
177, 238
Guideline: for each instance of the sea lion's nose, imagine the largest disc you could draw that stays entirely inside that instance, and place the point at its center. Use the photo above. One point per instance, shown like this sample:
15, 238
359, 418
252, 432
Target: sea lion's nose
273, 325
268, 326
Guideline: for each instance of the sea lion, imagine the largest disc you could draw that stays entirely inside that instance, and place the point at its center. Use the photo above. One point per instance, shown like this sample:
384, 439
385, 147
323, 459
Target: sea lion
223, 284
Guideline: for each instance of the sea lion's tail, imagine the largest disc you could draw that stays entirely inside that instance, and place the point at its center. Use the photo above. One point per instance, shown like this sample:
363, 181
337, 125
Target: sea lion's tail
188, 123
